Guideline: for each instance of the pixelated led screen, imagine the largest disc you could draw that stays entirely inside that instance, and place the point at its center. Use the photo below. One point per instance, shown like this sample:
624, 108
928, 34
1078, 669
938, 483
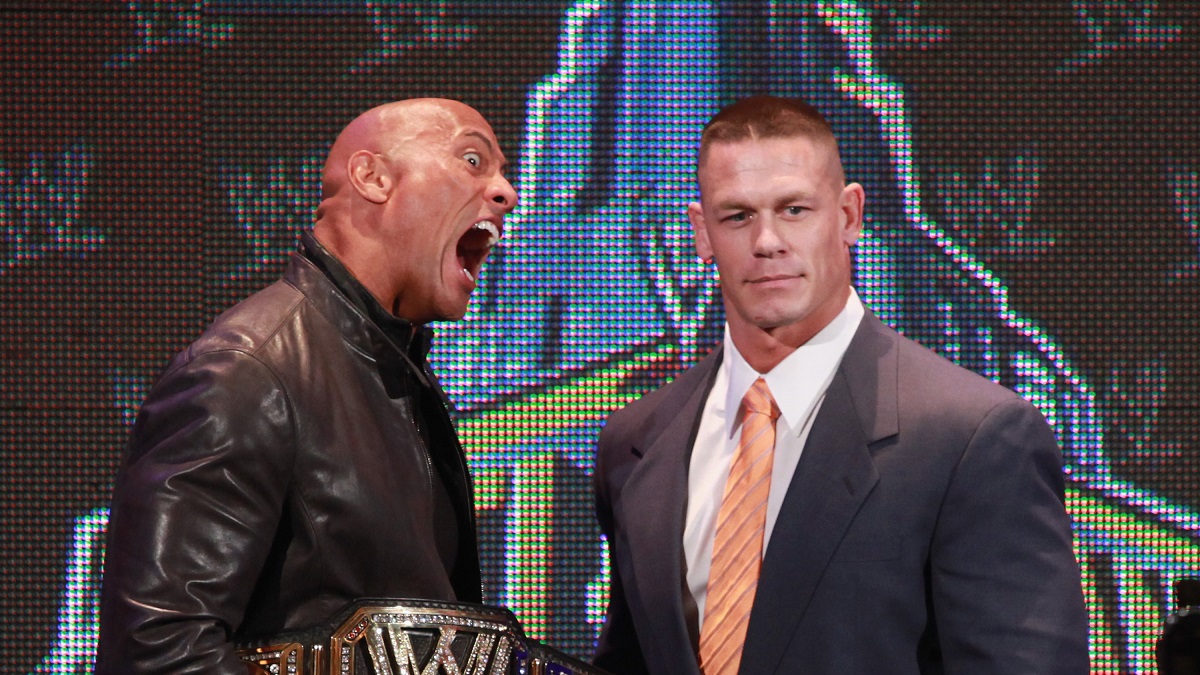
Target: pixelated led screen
1033, 213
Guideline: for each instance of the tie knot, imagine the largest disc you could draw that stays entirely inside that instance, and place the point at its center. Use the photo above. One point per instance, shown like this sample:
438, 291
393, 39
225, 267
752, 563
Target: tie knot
759, 400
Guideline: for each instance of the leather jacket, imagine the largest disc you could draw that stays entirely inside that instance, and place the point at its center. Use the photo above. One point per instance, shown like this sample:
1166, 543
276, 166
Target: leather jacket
277, 471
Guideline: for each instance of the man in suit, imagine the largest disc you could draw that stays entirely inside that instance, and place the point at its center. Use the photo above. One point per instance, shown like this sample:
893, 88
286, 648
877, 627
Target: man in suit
820, 494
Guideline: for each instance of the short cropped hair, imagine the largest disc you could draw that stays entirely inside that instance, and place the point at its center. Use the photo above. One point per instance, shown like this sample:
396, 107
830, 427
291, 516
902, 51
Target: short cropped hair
764, 116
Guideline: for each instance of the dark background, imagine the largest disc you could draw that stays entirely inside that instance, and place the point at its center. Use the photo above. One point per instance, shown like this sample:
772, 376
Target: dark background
158, 158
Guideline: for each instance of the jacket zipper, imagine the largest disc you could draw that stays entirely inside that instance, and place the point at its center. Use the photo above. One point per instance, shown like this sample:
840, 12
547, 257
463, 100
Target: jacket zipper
461, 455
412, 414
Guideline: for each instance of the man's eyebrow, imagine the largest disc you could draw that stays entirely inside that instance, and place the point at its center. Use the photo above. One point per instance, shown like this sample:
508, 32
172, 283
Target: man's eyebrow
733, 204
798, 196
741, 203
479, 134
490, 146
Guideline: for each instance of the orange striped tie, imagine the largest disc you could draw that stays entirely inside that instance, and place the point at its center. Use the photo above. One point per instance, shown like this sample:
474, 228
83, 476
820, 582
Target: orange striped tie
737, 549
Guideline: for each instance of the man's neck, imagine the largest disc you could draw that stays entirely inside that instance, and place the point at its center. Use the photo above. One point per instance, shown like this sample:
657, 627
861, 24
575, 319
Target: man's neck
765, 348
762, 349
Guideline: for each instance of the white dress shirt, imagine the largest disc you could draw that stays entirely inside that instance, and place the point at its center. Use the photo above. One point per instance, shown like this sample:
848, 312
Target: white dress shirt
798, 385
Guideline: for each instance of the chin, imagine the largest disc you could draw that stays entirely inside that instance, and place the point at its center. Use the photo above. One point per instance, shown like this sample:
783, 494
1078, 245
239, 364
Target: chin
769, 318
453, 311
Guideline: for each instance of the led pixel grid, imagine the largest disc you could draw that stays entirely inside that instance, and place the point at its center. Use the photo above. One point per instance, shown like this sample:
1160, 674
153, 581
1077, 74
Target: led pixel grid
1033, 198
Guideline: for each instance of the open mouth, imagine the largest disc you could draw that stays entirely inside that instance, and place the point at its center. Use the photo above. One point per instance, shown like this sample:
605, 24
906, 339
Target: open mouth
474, 246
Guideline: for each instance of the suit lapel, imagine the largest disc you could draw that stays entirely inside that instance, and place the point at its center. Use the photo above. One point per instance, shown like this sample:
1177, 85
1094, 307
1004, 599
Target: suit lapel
833, 478
652, 504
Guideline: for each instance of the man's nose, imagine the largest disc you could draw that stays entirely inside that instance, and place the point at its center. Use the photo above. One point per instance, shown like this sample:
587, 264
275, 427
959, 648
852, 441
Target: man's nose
502, 193
767, 241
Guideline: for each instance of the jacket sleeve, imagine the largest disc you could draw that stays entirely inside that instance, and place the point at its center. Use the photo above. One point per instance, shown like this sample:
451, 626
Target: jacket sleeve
1005, 584
194, 510
618, 649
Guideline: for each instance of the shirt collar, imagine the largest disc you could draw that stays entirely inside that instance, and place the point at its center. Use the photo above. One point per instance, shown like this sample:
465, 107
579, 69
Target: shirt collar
800, 380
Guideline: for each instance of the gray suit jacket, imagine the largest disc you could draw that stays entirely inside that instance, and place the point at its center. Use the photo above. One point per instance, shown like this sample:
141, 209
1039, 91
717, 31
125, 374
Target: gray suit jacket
923, 531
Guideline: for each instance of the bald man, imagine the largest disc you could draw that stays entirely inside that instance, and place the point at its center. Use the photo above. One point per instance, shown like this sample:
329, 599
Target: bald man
299, 454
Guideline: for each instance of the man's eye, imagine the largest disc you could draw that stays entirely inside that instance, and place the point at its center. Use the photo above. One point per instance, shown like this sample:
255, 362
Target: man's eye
794, 210
473, 158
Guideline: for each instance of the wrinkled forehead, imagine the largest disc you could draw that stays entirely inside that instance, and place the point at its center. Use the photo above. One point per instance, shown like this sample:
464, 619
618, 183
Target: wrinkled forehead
816, 153
438, 123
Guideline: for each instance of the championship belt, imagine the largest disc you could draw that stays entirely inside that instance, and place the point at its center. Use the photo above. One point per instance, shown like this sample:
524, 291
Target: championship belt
389, 636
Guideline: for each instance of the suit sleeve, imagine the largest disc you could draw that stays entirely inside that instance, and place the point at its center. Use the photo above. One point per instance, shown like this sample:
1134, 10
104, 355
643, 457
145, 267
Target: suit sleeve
618, 649
197, 500
1005, 584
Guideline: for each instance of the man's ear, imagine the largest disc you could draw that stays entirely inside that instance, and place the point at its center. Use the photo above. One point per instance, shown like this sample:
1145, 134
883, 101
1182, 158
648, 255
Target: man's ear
370, 176
695, 214
851, 205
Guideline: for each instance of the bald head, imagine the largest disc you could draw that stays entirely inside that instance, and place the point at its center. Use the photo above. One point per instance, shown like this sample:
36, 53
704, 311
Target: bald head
413, 197
388, 129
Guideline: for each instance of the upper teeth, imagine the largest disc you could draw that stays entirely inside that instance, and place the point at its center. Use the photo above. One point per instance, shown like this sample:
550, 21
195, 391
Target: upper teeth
489, 227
